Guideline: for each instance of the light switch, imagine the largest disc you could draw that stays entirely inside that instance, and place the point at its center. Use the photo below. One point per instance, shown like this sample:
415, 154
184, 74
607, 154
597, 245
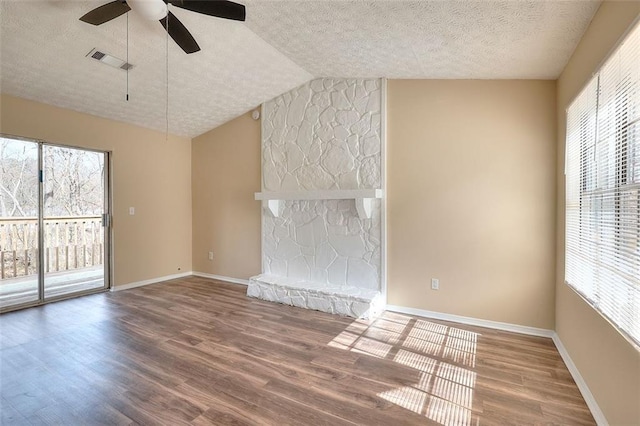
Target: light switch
132, 211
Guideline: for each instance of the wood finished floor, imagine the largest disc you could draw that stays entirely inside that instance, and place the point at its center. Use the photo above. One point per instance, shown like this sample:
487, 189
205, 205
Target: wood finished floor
197, 351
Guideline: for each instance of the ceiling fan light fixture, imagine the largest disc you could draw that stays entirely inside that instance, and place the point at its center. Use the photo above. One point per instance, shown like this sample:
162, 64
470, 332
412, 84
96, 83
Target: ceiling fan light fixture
152, 10
110, 60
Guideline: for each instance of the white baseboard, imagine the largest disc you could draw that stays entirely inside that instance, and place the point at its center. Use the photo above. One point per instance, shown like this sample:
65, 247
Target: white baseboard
522, 329
221, 278
151, 281
596, 412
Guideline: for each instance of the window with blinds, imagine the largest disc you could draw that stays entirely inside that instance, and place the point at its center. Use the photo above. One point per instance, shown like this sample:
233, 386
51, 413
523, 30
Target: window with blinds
603, 189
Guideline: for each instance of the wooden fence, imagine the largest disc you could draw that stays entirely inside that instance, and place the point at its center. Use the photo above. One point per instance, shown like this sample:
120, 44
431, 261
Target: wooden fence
69, 243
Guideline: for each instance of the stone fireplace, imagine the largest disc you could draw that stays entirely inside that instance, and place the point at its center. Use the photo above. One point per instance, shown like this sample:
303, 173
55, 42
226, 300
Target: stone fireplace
322, 192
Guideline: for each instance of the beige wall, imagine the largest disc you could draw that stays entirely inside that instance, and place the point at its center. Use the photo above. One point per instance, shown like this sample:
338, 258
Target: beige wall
149, 173
608, 363
226, 218
471, 198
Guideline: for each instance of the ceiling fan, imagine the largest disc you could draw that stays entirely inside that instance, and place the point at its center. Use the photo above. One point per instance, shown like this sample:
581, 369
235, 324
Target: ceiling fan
158, 10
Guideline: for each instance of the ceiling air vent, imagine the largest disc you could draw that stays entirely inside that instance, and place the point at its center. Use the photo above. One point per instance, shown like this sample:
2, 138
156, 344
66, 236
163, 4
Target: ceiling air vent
109, 59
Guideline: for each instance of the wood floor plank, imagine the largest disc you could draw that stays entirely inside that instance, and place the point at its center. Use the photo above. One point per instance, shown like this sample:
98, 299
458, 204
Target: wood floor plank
198, 351
267, 407
344, 408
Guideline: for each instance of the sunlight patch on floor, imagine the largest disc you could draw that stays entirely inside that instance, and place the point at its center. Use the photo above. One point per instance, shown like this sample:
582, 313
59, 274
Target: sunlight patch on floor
343, 340
444, 356
371, 347
417, 361
447, 390
423, 346
406, 397
447, 413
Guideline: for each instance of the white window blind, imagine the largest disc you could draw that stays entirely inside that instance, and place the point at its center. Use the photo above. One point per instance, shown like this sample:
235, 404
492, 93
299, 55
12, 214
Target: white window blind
603, 189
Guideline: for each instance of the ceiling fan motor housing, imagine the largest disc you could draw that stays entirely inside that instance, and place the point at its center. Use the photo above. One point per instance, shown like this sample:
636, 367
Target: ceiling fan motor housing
153, 10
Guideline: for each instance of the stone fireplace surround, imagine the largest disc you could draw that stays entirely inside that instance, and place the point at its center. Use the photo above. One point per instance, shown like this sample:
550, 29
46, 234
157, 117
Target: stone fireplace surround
322, 192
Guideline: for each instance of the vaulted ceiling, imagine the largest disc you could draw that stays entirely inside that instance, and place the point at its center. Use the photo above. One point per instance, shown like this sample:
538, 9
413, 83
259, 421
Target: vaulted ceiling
282, 45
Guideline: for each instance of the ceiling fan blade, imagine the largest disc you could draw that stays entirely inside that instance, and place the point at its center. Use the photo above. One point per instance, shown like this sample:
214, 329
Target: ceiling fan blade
218, 8
179, 33
106, 12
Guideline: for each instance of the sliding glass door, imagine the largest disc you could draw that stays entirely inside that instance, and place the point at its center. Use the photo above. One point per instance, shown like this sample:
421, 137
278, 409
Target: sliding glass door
74, 202
19, 242
54, 238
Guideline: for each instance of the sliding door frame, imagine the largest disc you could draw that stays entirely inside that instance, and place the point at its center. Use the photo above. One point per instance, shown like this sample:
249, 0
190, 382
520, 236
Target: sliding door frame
106, 223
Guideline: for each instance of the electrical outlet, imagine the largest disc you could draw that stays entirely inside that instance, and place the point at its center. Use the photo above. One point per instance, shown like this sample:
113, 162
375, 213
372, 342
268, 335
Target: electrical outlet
435, 284
210, 255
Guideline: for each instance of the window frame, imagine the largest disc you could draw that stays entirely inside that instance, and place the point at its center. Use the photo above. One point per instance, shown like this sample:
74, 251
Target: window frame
623, 136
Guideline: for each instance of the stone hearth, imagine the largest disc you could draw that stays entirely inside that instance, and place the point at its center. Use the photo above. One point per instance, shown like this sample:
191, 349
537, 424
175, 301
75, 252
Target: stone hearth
342, 300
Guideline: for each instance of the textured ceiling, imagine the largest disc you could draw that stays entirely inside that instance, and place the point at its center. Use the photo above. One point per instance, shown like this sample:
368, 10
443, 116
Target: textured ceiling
282, 45
43, 58
513, 39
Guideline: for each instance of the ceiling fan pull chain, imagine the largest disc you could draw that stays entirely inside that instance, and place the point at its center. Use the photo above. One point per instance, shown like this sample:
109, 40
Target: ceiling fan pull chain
167, 70
127, 57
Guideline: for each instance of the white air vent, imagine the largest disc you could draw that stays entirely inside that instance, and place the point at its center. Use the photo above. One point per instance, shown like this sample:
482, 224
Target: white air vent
109, 59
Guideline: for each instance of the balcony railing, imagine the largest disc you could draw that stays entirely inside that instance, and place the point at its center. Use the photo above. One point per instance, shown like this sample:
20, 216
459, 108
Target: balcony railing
69, 243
